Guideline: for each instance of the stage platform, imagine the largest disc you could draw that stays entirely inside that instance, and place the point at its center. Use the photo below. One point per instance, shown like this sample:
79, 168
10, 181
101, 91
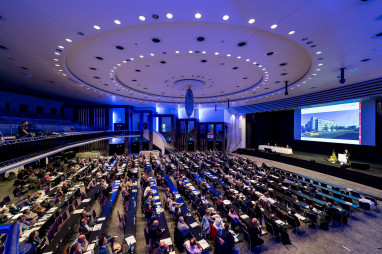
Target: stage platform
317, 162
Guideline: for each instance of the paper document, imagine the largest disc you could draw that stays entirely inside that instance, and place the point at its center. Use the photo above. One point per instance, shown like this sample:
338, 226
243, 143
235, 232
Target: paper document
130, 240
279, 222
166, 241
86, 200
226, 202
193, 225
101, 219
91, 246
204, 244
97, 227
78, 211
244, 216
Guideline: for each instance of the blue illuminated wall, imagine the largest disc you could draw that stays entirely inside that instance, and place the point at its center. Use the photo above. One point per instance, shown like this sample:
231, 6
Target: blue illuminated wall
210, 115
117, 116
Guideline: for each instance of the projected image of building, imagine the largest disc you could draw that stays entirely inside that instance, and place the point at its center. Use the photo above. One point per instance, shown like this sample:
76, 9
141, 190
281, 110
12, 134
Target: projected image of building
318, 125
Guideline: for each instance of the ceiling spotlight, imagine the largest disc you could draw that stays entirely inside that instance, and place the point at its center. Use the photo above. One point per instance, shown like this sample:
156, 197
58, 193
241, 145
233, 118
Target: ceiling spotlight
318, 69
247, 60
190, 51
198, 15
177, 52
117, 22
57, 64
151, 54
203, 52
225, 17
238, 57
141, 56
59, 70
169, 15
68, 40
142, 18
291, 32
320, 64
274, 26
228, 55
57, 53
61, 47
318, 52
251, 21
96, 27
216, 53
56, 59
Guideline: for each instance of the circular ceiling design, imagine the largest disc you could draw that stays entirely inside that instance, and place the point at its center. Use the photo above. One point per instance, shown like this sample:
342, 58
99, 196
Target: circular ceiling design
144, 62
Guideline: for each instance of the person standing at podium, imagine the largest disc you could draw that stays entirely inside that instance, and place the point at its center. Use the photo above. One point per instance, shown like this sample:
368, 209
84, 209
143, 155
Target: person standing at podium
347, 154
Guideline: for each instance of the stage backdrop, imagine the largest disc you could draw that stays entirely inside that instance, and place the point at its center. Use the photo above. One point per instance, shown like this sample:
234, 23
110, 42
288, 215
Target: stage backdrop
278, 128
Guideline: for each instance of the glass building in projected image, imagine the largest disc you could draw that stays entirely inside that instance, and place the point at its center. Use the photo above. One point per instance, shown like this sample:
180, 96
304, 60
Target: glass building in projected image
318, 124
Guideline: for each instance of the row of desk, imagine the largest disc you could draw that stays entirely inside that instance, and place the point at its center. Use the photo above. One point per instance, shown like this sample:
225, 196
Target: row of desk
195, 229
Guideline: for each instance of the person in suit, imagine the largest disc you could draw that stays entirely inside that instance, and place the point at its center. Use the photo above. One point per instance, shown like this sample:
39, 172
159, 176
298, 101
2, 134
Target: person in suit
155, 233
229, 240
162, 249
293, 215
19, 189
254, 229
192, 246
271, 220
85, 229
14, 209
183, 227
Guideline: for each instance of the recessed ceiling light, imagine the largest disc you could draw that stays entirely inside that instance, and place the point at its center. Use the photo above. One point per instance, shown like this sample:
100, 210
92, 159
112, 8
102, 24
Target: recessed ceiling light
169, 15
274, 26
238, 57
318, 52
142, 18
151, 54
291, 32
68, 40
203, 52
225, 17
141, 56
320, 64
247, 60
251, 21
314, 74
117, 22
57, 53
61, 47
228, 55
318, 69
216, 53
57, 64
56, 59
64, 74
190, 51
177, 52
198, 15
59, 70
131, 58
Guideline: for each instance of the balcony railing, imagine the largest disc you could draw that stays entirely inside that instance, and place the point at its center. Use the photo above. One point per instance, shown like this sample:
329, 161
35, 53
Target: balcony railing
15, 150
